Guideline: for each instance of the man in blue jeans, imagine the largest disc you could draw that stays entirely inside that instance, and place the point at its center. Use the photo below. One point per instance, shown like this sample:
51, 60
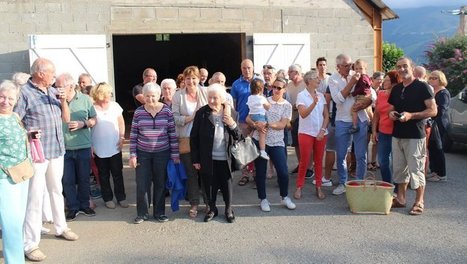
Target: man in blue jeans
341, 84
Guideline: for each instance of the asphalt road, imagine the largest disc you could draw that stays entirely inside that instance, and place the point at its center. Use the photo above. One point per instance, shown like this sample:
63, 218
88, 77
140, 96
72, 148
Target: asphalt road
316, 232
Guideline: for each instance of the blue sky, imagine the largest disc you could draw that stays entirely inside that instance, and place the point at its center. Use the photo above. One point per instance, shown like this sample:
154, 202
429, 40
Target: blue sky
420, 3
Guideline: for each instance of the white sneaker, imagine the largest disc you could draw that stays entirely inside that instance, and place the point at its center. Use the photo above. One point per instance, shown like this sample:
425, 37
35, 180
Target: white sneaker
340, 189
44, 231
288, 203
265, 205
324, 182
263, 154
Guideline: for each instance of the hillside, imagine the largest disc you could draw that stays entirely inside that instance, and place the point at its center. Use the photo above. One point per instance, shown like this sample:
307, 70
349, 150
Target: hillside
418, 27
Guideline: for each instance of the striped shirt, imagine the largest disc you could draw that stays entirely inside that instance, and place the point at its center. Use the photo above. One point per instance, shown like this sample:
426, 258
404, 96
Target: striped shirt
153, 134
42, 110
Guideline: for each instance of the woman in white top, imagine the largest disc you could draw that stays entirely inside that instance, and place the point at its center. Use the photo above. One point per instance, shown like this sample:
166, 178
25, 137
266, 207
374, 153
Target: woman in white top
107, 141
314, 118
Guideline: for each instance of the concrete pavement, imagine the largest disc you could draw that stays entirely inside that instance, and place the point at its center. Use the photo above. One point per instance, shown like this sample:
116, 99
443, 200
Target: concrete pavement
316, 232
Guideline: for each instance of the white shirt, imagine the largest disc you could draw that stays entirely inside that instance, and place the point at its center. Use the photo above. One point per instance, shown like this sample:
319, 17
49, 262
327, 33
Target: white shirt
312, 124
105, 134
255, 103
344, 105
277, 112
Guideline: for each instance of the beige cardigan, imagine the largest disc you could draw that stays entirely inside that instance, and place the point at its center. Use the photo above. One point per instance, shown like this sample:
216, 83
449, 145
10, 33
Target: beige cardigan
179, 109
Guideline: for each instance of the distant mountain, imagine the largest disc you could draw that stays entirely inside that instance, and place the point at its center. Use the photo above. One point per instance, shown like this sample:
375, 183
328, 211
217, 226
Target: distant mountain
416, 28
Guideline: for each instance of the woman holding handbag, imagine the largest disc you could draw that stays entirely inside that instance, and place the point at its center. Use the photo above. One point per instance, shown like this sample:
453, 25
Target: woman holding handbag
185, 103
212, 136
13, 197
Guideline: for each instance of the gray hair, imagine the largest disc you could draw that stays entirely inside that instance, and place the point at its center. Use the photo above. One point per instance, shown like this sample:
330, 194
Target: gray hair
341, 58
41, 65
152, 87
20, 78
8, 85
66, 78
378, 74
310, 75
218, 89
296, 67
170, 82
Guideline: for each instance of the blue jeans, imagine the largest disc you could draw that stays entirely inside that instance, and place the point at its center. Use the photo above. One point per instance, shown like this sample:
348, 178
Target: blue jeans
384, 156
278, 158
152, 169
343, 141
77, 168
13, 201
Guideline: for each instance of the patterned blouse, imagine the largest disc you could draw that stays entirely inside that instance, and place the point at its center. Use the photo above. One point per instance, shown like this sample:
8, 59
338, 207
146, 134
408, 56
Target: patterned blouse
12, 143
278, 111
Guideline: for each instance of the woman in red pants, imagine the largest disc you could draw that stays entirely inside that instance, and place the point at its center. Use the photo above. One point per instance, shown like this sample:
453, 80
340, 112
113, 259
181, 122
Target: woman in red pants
314, 118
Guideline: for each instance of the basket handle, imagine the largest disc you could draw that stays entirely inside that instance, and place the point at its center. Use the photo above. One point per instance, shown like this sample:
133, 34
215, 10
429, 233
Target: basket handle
370, 177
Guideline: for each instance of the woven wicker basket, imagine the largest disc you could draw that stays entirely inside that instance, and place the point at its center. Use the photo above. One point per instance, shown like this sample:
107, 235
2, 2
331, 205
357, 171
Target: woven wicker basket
369, 196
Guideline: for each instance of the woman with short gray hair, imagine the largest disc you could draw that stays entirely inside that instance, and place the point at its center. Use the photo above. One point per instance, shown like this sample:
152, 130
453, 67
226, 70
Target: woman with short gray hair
168, 87
13, 196
153, 142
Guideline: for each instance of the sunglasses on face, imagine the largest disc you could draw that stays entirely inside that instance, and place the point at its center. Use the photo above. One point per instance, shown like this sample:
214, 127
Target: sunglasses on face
277, 87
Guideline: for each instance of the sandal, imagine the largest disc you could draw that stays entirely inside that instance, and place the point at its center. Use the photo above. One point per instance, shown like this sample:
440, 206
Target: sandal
397, 204
320, 194
193, 212
244, 180
298, 194
417, 209
371, 166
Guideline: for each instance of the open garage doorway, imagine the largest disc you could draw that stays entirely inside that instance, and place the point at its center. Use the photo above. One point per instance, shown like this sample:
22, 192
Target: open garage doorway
169, 54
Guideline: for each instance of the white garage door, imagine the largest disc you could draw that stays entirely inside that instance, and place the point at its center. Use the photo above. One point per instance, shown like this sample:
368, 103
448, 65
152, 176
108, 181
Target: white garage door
281, 50
74, 54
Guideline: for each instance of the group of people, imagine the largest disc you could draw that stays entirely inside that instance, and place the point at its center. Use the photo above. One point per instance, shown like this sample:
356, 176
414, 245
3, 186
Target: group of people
194, 121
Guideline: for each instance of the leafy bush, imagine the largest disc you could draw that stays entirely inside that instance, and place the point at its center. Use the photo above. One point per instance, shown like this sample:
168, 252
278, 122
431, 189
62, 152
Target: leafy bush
450, 57
390, 55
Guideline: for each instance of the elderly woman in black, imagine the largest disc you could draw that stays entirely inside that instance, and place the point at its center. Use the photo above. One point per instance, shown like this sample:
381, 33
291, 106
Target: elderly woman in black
211, 137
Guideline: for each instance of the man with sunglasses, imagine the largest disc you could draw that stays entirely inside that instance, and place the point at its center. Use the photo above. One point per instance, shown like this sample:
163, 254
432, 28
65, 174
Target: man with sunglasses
412, 102
341, 84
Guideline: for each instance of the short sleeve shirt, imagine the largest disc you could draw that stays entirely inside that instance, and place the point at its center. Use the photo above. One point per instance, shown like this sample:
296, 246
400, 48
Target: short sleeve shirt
410, 99
277, 112
105, 134
312, 124
81, 109
255, 104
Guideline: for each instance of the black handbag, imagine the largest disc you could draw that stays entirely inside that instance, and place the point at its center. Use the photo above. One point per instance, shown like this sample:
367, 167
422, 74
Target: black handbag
435, 136
244, 151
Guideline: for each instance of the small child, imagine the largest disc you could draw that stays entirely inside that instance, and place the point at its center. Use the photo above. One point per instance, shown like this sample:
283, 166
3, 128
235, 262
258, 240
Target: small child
361, 91
258, 106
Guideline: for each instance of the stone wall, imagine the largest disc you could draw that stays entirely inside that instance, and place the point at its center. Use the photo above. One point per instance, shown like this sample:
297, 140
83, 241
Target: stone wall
335, 26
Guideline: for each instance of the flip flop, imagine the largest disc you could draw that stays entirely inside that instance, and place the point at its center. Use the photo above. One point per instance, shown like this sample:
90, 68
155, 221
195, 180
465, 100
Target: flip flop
244, 180
417, 209
193, 212
397, 204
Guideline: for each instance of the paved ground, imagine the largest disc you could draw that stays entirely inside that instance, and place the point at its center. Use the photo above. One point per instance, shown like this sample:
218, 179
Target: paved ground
317, 231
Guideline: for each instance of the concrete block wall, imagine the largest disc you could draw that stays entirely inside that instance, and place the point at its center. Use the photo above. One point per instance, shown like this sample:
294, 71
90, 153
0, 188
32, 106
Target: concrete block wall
335, 26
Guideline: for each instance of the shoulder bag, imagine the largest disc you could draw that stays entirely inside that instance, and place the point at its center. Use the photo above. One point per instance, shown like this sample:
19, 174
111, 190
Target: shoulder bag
244, 151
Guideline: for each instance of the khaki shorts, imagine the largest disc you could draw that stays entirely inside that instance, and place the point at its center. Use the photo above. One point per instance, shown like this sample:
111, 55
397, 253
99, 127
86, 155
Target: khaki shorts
408, 161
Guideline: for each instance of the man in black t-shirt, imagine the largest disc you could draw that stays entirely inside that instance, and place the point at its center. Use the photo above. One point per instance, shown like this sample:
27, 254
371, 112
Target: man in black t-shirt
412, 102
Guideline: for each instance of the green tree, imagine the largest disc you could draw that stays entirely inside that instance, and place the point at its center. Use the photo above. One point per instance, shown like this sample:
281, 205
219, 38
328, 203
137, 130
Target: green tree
449, 55
390, 55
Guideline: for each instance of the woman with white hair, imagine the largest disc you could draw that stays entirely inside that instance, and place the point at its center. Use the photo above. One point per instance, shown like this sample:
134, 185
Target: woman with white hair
168, 87
153, 141
213, 133
13, 197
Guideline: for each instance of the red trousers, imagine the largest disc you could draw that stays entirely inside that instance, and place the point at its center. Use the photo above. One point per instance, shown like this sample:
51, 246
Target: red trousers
308, 145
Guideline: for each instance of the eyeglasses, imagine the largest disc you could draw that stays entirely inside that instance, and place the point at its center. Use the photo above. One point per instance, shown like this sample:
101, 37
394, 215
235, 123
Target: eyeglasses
277, 87
345, 65
433, 78
402, 93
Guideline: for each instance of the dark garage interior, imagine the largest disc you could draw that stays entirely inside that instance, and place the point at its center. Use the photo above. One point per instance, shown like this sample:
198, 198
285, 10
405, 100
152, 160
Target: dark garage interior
169, 54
